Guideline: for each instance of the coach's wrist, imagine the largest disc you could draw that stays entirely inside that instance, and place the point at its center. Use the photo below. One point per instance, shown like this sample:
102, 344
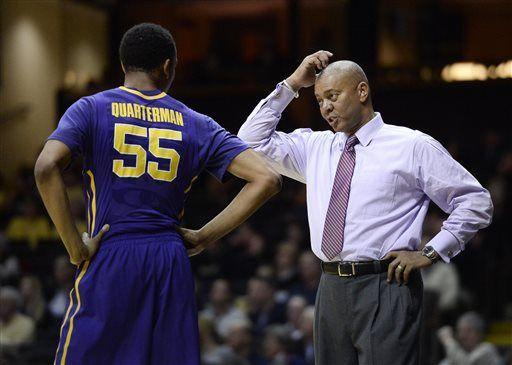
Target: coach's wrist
292, 84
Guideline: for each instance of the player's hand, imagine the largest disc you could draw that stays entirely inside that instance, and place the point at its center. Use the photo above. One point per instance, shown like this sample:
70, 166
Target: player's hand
90, 245
305, 74
404, 262
193, 242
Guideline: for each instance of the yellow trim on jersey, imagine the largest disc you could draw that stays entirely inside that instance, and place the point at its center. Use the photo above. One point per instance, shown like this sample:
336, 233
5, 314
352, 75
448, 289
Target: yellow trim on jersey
93, 202
64, 323
88, 211
138, 93
190, 186
70, 331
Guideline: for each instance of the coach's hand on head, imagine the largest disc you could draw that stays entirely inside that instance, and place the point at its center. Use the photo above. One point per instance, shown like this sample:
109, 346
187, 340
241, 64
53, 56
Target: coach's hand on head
305, 74
404, 263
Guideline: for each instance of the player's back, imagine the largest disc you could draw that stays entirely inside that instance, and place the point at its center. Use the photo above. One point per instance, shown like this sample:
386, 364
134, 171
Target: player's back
142, 151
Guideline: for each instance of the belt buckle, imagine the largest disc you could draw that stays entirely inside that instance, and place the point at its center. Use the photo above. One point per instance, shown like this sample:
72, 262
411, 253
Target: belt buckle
353, 273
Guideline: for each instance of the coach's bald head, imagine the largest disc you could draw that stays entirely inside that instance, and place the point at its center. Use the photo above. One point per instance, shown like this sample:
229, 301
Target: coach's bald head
343, 94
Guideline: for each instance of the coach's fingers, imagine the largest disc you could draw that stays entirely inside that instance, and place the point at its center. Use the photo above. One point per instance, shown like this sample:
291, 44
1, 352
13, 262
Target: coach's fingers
399, 272
318, 63
323, 52
391, 269
324, 58
407, 273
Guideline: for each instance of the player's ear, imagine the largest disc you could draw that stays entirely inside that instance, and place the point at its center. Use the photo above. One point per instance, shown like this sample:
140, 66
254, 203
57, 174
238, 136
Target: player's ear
122, 66
168, 68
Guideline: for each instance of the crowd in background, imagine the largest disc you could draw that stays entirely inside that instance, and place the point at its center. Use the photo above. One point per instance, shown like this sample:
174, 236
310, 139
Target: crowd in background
256, 289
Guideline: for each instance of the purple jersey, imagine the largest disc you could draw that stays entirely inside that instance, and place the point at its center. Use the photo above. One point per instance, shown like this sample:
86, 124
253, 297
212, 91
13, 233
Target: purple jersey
142, 151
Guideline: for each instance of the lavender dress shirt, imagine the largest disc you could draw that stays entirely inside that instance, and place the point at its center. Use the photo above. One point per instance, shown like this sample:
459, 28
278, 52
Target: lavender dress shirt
398, 172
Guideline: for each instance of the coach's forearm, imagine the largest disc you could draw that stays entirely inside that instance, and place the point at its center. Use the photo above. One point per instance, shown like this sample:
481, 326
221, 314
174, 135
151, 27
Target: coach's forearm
53, 192
248, 200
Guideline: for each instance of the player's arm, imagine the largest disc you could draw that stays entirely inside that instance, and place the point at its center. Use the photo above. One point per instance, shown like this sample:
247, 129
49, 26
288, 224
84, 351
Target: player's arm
262, 183
47, 171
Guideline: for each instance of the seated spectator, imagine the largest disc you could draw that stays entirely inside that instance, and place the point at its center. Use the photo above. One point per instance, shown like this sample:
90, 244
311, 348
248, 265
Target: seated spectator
16, 329
220, 309
294, 309
468, 346
309, 277
276, 347
285, 264
9, 263
63, 273
443, 280
262, 306
34, 304
307, 320
29, 226
240, 342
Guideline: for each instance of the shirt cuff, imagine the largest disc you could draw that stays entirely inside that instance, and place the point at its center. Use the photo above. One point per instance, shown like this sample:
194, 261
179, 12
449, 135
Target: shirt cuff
279, 98
446, 245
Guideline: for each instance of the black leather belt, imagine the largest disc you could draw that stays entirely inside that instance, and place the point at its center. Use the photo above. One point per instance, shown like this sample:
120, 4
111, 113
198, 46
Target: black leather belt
355, 268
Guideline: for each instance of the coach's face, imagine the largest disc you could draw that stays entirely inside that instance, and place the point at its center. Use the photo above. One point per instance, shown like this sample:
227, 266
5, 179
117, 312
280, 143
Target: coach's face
341, 101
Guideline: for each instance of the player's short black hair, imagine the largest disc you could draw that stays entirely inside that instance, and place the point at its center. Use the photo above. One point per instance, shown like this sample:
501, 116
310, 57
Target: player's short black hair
146, 46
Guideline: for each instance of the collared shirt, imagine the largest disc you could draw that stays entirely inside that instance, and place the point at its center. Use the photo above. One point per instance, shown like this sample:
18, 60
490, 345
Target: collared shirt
398, 172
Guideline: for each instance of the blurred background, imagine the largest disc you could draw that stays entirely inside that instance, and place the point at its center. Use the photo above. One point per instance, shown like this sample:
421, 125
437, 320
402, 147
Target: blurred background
441, 66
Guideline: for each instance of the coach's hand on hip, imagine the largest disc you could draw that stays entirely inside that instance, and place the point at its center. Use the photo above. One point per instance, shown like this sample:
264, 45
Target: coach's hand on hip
305, 74
404, 262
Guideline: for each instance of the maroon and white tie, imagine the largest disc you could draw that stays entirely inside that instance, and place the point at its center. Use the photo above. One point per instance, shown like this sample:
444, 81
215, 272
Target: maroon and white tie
332, 240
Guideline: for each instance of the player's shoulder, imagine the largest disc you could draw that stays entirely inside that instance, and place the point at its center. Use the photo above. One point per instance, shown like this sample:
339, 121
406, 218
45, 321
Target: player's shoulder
198, 119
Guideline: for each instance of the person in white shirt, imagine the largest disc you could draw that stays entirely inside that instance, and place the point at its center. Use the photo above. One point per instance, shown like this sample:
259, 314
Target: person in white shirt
369, 185
468, 346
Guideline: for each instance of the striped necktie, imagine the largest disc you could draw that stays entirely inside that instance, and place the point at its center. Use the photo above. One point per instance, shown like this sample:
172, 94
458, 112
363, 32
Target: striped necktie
332, 240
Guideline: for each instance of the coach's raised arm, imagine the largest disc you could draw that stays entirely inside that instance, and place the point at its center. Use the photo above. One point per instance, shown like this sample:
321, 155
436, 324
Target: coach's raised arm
369, 185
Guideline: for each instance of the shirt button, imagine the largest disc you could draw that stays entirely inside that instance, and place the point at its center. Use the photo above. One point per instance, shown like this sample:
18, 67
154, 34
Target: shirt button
450, 253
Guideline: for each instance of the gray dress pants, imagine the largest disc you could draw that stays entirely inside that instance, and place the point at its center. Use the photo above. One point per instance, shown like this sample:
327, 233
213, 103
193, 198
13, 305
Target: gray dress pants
364, 320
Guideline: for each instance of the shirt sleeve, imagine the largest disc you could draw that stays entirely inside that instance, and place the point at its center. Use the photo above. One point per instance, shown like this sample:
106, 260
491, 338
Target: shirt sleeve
286, 152
73, 127
219, 148
455, 191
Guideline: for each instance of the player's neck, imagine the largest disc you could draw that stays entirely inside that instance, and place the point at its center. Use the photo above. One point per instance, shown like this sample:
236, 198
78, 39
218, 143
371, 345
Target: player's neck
139, 80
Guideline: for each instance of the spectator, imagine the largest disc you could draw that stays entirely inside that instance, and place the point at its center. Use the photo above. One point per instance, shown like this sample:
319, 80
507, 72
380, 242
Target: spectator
63, 274
468, 348
286, 264
9, 263
262, 307
443, 279
240, 342
294, 310
307, 320
34, 304
276, 347
16, 329
309, 275
29, 226
221, 310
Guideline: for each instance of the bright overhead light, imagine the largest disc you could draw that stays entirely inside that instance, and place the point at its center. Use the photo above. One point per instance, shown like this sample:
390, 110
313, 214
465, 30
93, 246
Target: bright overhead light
472, 71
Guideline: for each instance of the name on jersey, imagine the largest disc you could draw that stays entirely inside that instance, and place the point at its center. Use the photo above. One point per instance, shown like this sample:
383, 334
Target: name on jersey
146, 113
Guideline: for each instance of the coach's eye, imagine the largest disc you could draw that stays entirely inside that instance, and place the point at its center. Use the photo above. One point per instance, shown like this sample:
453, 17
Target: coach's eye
334, 97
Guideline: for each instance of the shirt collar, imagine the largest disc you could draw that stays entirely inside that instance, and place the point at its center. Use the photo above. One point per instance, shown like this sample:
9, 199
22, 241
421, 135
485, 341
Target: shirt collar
366, 133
